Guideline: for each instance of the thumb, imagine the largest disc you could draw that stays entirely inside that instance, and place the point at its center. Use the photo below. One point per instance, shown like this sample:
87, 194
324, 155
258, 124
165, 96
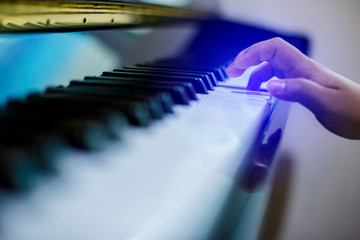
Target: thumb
308, 93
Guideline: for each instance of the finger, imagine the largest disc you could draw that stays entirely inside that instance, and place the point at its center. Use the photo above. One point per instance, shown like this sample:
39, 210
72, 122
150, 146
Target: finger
232, 71
262, 74
310, 94
280, 54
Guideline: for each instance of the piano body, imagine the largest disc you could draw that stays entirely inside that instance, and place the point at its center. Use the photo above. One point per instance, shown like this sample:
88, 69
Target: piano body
164, 147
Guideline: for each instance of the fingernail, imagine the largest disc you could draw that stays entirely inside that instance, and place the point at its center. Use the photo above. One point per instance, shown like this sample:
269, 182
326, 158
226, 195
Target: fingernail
240, 64
243, 52
275, 86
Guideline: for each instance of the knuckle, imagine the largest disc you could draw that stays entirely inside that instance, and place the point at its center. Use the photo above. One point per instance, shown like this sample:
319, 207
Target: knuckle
278, 40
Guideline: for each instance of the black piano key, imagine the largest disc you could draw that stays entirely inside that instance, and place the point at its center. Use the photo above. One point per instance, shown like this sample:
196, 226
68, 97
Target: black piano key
154, 104
177, 92
225, 76
46, 151
17, 170
198, 84
198, 61
20, 128
164, 97
46, 118
203, 61
217, 71
200, 81
66, 110
210, 76
189, 94
137, 113
115, 124
87, 135
217, 68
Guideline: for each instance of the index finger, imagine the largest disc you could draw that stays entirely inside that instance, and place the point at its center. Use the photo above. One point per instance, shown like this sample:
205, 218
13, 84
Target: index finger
280, 54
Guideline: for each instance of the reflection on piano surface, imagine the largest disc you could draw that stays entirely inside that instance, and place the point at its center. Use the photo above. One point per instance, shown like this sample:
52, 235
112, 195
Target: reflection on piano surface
161, 149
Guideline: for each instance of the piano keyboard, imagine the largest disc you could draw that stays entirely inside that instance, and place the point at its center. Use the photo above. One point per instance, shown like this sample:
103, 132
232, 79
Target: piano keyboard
171, 141
88, 114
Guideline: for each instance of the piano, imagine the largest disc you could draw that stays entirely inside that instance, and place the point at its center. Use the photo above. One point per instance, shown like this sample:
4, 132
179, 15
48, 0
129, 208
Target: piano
146, 140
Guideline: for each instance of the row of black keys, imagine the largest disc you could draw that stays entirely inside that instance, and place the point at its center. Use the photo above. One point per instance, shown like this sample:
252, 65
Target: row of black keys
88, 114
